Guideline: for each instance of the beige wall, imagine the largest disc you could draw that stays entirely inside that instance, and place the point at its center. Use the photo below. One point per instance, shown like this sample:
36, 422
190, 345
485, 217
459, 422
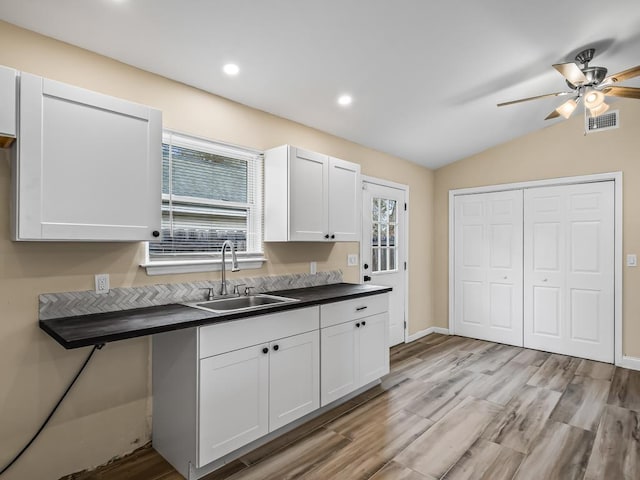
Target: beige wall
558, 151
108, 412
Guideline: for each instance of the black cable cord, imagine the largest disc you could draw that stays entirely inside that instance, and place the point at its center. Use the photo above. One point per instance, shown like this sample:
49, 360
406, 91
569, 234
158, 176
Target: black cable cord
44, 424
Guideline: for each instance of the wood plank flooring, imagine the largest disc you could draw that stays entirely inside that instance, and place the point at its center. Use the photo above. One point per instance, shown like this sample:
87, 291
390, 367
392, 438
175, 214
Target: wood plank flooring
456, 409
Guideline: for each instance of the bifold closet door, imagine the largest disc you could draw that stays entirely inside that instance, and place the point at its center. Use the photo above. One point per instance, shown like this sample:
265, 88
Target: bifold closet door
488, 266
569, 270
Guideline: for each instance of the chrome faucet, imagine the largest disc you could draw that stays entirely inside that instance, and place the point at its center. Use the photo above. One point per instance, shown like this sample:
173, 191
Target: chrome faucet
234, 264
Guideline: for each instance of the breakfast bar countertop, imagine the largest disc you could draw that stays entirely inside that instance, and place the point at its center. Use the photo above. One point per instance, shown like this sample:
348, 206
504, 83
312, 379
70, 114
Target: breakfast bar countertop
100, 328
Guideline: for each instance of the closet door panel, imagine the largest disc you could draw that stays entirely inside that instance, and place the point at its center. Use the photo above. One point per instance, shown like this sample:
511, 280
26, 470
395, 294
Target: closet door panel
568, 258
488, 266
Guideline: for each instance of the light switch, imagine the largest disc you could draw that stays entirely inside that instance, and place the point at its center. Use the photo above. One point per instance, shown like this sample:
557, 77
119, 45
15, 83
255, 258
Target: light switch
632, 260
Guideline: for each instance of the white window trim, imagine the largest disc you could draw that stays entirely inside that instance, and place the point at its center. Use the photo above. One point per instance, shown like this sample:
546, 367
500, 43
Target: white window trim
205, 262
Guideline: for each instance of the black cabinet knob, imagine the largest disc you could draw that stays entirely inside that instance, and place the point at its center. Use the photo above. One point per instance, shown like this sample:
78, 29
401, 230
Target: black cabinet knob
364, 323
265, 350
155, 233
358, 325
276, 347
333, 236
326, 236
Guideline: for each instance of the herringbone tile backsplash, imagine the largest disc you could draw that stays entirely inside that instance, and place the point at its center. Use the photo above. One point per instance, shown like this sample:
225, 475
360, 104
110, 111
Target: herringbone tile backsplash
68, 304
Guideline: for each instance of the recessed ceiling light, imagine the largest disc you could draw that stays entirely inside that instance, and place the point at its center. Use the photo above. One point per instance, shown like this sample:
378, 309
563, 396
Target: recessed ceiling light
345, 100
231, 69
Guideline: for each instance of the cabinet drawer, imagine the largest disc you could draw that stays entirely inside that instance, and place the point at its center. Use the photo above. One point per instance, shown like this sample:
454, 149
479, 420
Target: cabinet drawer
233, 335
340, 312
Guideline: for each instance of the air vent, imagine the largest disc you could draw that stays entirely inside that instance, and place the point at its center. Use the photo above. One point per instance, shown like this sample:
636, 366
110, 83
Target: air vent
606, 121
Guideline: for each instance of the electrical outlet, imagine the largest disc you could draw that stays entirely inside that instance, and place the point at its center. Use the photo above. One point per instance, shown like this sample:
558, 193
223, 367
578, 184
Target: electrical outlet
352, 260
313, 268
102, 283
632, 260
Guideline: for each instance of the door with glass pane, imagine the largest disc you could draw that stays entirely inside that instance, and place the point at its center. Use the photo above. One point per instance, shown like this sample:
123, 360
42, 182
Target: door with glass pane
383, 249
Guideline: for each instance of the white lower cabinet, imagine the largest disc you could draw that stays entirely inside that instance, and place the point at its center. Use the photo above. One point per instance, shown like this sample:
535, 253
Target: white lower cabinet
220, 387
294, 378
264, 388
238, 413
356, 351
339, 362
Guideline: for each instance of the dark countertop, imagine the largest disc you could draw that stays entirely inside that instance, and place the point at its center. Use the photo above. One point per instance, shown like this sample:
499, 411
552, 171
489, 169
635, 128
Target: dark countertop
98, 328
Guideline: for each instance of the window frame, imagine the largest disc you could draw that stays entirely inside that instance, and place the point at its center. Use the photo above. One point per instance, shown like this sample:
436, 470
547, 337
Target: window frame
192, 262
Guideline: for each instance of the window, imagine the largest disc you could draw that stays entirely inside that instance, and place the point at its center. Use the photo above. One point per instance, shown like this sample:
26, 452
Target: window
211, 192
383, 236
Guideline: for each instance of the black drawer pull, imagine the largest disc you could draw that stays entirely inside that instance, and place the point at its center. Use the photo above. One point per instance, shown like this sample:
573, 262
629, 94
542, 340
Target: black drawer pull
360, 308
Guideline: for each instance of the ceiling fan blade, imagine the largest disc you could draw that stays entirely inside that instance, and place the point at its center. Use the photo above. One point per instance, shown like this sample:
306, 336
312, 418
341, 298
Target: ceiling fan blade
621, 76
557, 94
627, 92
553, 114
571, 72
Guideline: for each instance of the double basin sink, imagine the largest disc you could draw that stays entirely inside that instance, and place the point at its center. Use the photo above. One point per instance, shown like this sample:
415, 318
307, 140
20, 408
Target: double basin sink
240, 303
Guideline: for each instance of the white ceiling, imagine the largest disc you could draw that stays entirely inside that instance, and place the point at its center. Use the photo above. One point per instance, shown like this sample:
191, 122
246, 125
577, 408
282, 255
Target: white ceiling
425, 76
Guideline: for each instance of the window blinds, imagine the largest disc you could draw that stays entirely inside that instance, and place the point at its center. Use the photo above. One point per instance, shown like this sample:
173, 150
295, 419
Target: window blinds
211, 192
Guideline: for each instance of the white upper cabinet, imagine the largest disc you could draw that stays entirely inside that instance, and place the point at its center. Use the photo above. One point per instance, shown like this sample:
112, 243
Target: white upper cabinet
345, 192
8, 88
310, 197
309, 192
87, 166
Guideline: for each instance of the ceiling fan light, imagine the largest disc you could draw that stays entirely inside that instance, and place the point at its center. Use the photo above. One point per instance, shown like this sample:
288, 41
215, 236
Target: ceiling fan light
599, 110
567, 108
593, 99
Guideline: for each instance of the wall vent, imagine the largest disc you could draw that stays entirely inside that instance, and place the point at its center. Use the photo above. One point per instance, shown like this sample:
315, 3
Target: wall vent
606, 121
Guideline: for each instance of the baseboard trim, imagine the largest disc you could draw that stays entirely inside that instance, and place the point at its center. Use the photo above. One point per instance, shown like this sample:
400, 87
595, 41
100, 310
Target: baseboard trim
632, 363
427, 331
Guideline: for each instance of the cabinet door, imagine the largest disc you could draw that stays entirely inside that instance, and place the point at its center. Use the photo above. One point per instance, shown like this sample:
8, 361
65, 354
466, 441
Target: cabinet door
88, 165
345, 194
294, 378
7, 105
373, 348
339, 362
233, 401
308, 193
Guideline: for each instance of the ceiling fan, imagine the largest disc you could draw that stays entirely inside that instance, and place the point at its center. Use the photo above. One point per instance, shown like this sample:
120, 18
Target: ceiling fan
589, 84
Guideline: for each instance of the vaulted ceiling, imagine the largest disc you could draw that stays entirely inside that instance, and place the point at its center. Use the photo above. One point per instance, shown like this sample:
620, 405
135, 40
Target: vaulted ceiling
425, 77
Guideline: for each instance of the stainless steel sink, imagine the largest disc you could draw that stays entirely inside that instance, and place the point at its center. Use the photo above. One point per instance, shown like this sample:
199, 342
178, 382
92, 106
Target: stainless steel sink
236, 304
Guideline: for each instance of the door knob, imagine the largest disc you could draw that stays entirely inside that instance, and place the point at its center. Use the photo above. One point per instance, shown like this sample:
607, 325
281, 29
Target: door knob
366, 266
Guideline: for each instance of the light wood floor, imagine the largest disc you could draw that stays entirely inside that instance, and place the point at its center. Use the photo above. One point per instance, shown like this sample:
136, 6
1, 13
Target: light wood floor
454, 408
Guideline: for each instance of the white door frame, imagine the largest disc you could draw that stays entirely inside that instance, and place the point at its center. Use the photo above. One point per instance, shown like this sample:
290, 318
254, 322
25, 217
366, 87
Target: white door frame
405, 236
616, 177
